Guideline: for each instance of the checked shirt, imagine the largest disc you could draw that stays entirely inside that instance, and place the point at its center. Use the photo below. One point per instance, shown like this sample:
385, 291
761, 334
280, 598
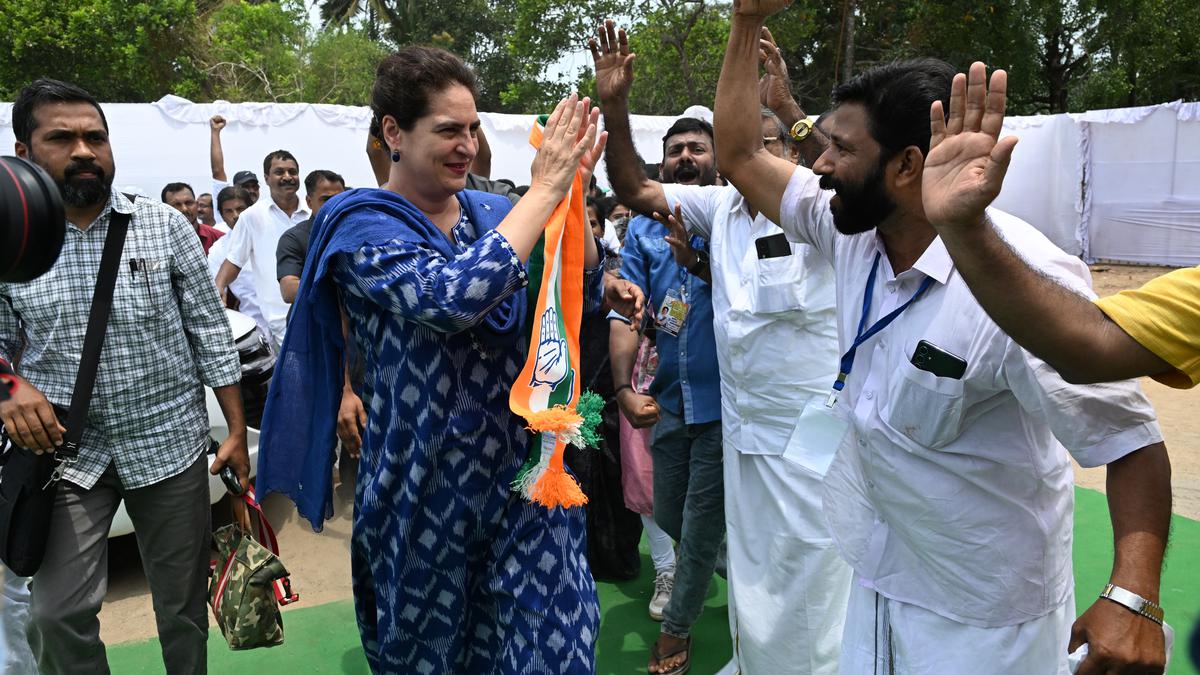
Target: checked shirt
167, 336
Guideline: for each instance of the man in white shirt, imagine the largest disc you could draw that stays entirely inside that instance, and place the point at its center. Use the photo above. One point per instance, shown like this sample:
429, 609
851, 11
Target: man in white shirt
254, 241
951, 496
774, 324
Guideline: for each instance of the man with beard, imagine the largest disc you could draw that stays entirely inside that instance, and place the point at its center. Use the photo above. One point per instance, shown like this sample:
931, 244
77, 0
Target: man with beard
254, 241
684, 401
951, 495
180, 197
770, 299
145, 443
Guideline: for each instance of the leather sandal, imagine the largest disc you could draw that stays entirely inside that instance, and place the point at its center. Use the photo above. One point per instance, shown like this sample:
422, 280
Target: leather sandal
677, 670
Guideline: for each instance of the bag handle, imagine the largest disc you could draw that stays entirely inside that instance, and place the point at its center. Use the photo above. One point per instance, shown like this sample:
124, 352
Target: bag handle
243, 507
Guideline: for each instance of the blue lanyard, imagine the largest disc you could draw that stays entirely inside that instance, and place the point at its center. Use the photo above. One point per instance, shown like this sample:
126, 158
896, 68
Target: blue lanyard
865, 333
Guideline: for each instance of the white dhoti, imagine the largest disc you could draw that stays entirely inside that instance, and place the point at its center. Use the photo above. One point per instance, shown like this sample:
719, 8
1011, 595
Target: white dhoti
788, 588
888, 636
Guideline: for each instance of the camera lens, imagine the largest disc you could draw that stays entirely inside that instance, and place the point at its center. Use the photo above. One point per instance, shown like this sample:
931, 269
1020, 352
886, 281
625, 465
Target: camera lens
32, 221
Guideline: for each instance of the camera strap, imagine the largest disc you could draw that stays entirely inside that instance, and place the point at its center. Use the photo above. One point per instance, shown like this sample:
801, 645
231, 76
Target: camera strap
93, 341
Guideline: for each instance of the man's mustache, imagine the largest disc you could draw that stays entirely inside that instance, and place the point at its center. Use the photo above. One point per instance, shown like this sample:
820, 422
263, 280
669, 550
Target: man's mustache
76, 168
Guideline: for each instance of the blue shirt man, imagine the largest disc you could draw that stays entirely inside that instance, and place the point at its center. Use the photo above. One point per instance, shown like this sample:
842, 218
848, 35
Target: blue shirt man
687, 382
684, 401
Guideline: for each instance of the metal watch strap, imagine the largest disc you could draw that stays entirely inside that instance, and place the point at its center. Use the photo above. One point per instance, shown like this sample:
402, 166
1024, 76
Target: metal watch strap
1133, 602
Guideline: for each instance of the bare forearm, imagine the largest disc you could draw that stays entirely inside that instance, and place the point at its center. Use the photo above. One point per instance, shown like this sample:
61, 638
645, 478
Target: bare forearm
482, 166
230, 399
625, 172
622, 352
216, 157
761, 177
288, 287
226, 275
1061, 327
737, 124
1139, 500
524, 224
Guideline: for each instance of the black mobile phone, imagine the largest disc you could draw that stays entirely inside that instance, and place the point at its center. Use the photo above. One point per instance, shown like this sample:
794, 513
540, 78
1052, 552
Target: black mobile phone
232, 484
931, 358
773, 246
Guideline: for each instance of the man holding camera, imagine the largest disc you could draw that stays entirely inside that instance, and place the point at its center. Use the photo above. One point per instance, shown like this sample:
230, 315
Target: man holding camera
147, 428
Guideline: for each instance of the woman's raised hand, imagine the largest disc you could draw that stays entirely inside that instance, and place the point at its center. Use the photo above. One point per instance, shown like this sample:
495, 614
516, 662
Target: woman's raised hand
570, 142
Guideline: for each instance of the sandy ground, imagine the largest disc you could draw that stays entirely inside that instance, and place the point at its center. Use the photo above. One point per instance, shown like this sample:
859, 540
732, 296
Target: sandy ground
320, 563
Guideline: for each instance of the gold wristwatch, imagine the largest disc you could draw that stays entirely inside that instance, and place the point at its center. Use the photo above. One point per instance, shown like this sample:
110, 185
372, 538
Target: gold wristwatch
801, 130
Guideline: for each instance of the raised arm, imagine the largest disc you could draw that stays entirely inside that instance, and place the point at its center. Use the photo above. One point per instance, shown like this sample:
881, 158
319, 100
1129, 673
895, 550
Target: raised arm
216, 154
775, 93
760, 176
482, 165
963, 174
614, 78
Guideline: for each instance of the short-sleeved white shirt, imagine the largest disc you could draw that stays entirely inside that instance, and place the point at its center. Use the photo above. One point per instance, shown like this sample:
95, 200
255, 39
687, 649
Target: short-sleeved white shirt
773, 319
252, 244
956, 495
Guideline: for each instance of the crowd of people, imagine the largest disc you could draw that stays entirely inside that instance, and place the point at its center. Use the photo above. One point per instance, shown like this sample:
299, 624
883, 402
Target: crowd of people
833, 374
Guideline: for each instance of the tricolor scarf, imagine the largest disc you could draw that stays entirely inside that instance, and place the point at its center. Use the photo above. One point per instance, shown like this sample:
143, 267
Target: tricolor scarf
546, 392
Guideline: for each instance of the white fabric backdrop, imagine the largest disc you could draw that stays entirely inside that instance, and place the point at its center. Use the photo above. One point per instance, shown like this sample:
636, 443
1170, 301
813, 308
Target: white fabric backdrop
1113, 184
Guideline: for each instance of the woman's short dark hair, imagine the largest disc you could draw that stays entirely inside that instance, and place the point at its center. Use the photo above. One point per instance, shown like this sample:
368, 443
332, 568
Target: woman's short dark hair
41, 92
897, 97
408, 79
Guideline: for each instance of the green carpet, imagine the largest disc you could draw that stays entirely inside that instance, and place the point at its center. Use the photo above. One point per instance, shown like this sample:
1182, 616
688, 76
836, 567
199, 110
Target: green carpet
323, 639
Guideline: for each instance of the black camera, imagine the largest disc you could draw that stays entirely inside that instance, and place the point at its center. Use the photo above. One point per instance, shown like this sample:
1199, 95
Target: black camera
32, 220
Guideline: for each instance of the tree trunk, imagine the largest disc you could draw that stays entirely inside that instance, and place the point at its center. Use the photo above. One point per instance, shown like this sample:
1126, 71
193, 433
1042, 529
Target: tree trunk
848, 53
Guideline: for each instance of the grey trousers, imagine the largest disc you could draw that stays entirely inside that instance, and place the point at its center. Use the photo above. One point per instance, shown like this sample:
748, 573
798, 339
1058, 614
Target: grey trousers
171, 522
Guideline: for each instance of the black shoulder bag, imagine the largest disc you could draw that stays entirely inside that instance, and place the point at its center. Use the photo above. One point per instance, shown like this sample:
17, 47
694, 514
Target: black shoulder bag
29, 481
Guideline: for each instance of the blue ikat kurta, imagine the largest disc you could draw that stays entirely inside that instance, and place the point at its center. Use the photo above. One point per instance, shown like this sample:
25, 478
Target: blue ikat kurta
452, 571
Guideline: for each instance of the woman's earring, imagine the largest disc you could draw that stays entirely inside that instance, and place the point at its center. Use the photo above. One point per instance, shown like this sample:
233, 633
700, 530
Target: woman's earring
395, 155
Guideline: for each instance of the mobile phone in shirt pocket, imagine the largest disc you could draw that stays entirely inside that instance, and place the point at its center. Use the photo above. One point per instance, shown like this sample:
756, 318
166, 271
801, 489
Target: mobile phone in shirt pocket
924, 407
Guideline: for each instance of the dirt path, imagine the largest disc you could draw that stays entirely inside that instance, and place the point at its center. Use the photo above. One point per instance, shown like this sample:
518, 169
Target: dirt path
320, 563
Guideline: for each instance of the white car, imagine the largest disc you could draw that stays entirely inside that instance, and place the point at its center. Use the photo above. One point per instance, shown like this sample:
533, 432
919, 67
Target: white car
251, 343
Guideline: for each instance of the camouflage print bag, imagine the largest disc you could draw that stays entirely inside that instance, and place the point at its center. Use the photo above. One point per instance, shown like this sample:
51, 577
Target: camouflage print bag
249, 582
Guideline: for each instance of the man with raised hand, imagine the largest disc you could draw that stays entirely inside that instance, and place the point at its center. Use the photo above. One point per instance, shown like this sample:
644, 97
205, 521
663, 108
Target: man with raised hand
1153, 330
771, 299
255, 241
950, 495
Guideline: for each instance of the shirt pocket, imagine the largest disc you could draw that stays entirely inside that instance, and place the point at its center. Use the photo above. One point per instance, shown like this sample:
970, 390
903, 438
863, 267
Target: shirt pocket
926, 408
778, 284
142, 294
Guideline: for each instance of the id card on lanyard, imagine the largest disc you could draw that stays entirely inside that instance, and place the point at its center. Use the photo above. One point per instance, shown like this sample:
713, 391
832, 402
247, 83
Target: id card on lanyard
674, 311
820, 430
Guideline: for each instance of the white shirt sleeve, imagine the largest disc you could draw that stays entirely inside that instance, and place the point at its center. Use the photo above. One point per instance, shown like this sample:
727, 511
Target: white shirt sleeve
1098, 423
699, 205
804, 213
241, 241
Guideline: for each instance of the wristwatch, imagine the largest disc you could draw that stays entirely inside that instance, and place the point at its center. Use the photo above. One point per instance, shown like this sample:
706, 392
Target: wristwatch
1134, 602
701, 263
801, 130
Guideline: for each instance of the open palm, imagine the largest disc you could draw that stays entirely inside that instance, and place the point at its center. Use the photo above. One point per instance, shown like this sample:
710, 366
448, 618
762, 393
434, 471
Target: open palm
965, 168
612, 61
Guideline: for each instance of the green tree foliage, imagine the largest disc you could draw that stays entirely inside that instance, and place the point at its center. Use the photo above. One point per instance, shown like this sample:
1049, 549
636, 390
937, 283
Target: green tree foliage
511, 44
121, 50
1060, 54
255, 51
679, 47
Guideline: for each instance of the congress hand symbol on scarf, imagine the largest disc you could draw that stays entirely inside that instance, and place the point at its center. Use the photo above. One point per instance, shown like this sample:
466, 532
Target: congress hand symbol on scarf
546, 392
